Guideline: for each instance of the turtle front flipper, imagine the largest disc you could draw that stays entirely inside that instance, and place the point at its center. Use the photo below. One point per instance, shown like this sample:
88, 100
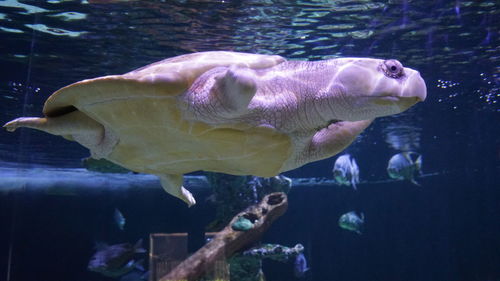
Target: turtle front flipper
223, 92
173, 185
236, 88
333, 139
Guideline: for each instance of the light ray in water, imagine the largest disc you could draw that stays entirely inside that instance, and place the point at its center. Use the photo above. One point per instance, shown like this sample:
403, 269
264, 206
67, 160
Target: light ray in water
9, 262
457, 8
405, 14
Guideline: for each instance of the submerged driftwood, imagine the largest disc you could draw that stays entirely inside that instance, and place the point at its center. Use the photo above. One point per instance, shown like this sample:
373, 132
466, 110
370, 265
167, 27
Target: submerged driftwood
228, 241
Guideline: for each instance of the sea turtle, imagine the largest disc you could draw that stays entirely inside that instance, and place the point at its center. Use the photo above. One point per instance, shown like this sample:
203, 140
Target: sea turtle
229, 112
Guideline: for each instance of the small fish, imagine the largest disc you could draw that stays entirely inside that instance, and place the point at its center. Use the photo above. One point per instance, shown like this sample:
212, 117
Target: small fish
352, 222
119, 219
300, 266
116, 260
346, 171
404, 166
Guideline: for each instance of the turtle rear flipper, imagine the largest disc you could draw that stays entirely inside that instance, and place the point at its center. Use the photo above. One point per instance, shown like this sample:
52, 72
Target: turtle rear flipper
173, 185
75, 125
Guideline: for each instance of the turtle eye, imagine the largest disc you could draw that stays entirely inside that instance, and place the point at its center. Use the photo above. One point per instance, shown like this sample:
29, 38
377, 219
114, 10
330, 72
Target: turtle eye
393, 68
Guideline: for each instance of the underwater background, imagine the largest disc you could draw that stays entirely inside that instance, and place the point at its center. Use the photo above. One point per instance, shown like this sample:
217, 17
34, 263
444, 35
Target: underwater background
53, 211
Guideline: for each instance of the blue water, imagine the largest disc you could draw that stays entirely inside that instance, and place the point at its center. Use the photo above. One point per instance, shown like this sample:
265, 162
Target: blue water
446, 229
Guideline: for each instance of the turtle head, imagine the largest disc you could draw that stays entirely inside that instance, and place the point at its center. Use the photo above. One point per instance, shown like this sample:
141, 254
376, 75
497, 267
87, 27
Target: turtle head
373, 88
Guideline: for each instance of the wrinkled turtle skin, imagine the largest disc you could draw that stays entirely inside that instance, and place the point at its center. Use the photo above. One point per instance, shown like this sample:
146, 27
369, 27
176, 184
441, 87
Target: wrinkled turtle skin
235, 113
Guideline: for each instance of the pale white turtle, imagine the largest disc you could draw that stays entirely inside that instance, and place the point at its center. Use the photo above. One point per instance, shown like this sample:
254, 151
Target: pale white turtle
227, 112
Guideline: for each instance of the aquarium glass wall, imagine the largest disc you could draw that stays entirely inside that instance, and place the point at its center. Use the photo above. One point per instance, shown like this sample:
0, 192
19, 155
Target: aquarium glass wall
412, 195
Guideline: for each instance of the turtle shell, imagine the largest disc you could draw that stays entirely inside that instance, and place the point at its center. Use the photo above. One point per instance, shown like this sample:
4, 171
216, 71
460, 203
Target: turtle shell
141, 109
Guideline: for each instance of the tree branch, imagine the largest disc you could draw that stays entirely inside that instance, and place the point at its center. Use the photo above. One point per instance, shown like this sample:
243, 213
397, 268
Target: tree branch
228, 241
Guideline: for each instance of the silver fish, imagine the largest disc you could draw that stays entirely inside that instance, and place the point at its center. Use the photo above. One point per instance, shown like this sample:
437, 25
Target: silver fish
404, 166
346, 171
119, 219
352, 222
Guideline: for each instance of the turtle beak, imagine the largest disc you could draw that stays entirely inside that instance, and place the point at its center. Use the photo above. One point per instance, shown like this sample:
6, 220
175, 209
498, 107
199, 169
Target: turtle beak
414, 90
403, 95
414, 87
